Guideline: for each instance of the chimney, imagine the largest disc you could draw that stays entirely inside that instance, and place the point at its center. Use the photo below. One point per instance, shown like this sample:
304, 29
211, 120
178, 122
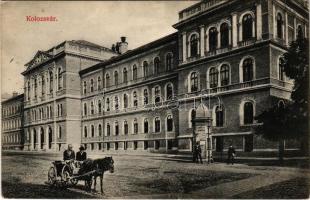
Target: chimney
123, 45
15, 94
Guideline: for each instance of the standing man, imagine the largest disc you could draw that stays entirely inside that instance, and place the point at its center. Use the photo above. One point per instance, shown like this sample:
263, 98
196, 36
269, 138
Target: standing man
198, 153
81, 155
231, 155
69, 154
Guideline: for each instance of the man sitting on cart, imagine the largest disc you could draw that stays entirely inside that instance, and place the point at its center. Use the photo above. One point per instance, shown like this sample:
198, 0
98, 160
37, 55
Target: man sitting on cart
69, 154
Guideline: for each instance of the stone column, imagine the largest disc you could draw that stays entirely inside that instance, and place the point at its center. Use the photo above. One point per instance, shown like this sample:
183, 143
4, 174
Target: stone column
218, 39
230, 36
202, 41
207, 41
31, 141
234, 30
259, 21
274, 21
39, 139
184, 46
295, 28
286, 29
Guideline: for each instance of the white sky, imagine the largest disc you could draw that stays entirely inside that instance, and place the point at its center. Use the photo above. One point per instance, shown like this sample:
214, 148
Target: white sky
98, 22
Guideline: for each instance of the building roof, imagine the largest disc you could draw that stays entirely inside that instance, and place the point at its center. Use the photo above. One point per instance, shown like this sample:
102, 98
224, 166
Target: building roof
20, 96
128, 54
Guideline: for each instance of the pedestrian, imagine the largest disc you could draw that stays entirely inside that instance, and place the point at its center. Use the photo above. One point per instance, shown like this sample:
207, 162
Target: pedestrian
69, 154
81, 155
231, 155
198, 153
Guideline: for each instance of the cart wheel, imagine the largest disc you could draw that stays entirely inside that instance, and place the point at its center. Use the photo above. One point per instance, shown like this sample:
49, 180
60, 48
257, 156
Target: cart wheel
51, 176
65, 175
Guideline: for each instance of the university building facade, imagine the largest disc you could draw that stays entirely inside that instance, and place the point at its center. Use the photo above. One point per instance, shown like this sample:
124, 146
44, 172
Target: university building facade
144, 99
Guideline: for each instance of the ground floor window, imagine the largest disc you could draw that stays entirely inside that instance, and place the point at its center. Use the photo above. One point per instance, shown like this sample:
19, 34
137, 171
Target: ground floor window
116, 145
219, 144
108, 146
169, 144
92, 146
135, 145
146, 145
99, 146
125, 145
156, 144
248, 143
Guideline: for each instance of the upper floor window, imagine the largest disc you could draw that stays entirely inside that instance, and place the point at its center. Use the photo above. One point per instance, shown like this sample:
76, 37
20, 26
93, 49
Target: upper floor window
125, 99
107, 80
169, 123
28, 88
91, 85
108, 104
157, 125
92, 110
115, 78
135, 99
224, 30
157, 94
99, 83
59, 78
300, 32
92, 131
35, 87
125, 75
156, 65
84, 87
99, 106
85, 131
212, 38
248, 113
85, 109
247, 27
169, 91
224, 75
146, 126
125, 128
279, 26
99, 130
169, 61
194, 82
108, 129
213, 77
219, 116
135, 126
145, 96
116, 128
247, 69
116, 103
51, 81
194, 45
145, 69
281, 69
43, 85
134, 72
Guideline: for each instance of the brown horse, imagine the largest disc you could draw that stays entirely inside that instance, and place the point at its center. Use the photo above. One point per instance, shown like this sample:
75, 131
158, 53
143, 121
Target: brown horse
99, 166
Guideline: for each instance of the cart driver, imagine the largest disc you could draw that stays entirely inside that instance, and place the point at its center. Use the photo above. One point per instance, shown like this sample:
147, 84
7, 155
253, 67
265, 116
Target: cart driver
69, 154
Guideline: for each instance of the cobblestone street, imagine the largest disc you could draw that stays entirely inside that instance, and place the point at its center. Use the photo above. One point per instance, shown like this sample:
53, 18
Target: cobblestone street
24, 175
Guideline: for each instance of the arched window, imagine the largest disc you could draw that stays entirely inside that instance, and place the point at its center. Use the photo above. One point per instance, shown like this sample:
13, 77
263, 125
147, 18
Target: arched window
213, 77
157, 125
92, 110
134, 72
247, 24
146, 126
85, 109
281, 69
99, 106
135, 99
125, 99
194, 45
300, 32
125, 75
157, 94
224, 30
279, 26
92, 131
28, 93
125, 128
85, 131
194, 82
169, 123
108, 104
108, 129
145, 96
43, 84
281, 105
247, 69
145, 69
135, 126
116, 128
59, 78
224, 75
169, 61
51, 81
248, 113
156, 65
212, 39
169, 91
192, 115
91, 85
107, 80
84, 87
99, 83
116, 105
115, 78
99, 130
219, 116
35, 87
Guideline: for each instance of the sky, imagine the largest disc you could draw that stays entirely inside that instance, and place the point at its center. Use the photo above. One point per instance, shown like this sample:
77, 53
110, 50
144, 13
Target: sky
102, 23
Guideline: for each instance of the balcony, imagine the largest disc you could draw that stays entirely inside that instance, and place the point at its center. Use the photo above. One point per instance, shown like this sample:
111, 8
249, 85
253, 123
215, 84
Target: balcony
247, 42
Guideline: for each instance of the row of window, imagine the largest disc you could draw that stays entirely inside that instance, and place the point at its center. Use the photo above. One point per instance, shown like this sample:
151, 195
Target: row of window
147, 71
11, 138
31, 89
11, 110
11, 124
44, 113
280, 33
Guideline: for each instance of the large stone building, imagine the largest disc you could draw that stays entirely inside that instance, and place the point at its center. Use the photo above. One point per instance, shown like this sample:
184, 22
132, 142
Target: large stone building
225, 54
12, 122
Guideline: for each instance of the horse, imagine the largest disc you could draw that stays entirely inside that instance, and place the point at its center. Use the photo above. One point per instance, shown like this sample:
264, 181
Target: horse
99, 166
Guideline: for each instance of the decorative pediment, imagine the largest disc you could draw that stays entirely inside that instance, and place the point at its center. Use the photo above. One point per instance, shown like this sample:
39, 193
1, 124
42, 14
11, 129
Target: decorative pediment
40, 57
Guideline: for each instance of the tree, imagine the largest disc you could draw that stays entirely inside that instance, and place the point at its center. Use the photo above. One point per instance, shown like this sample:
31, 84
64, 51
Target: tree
290, 122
